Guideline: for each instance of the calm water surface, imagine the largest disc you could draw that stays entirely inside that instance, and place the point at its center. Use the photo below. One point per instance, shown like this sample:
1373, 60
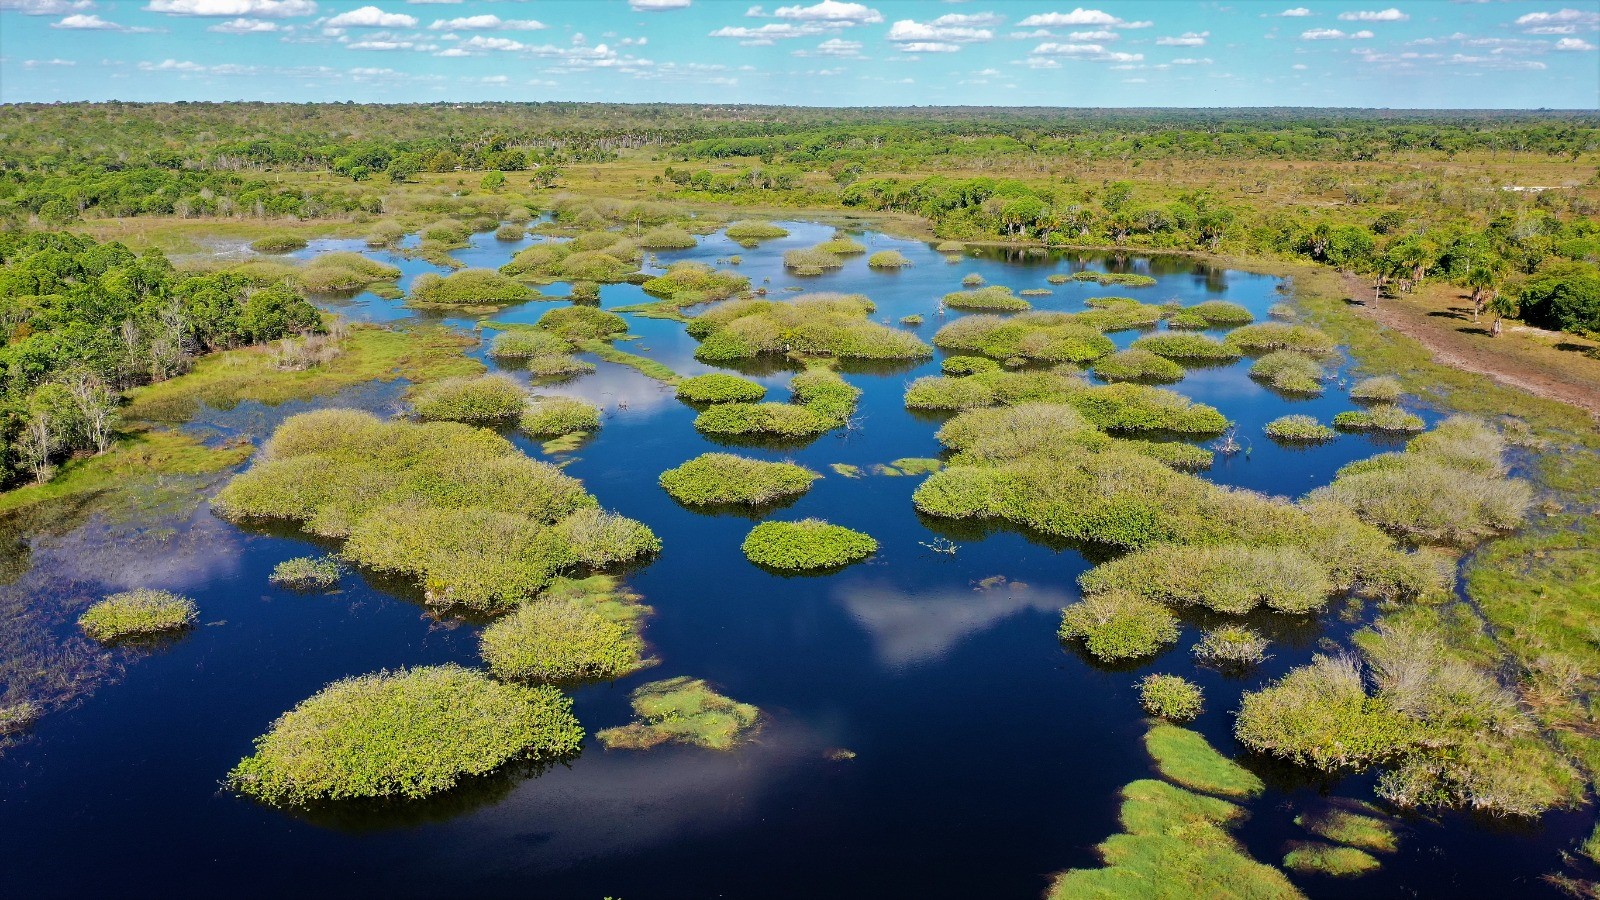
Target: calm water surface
987, 755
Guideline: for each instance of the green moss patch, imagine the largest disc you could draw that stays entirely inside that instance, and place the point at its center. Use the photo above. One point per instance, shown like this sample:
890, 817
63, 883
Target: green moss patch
137, 613
1357, 829
686, 711
806, 545
1186, 758
720, 387
1314, 857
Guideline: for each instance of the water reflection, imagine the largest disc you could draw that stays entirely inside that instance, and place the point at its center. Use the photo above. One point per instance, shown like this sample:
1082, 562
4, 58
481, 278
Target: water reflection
910, 628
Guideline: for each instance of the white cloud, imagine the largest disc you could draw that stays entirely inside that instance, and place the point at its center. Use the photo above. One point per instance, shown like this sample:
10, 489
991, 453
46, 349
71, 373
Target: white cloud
389, 45
371, 17
836, 48
1042, 62
479, 42
44, 7
1298, 12
496, 79
1192, 62
1499, 63
1187, 39
486, 23
1382, 15
171, 65
1299, 67
1573, 44
1078, 16
1563, 17
1081, 36
270, 8
830, 11
910, 30
930, 47
770, 32
244, 26
977, 20
82, 22
374, 73
36, 63
1333, 34
1089, 52
656, 5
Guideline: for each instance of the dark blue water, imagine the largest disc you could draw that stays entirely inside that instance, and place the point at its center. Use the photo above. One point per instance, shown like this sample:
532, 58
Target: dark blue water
987, 755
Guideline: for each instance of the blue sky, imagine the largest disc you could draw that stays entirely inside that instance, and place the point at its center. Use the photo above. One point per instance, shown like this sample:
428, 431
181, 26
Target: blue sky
1425, 53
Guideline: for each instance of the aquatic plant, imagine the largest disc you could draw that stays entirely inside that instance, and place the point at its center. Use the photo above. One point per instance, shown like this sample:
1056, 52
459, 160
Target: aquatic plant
719, 387
307, 573
1357, 829
137, 613
723, 478
805, 545
1035, 292
1231, 646
817, 325
940, 392
1126, 279
525, 343
888, 259
778, 419
1121, 316
582, 322
586, 292
510, 232
1115, 626
968, 365
688, 283
749, 233
485, 398
1289, 371
468, 287
1179, 345
1381, 389
1174, 845
1138, 365
950, 247
1268, 336
1038, 336
666, 237
558, 641
1138, 407
326, 273
447, 231
687, 711
1210, 314
556, 416
996, 298
1326, 859
1380, 417
588, 257
1170, 697
1186, 758
1320, 715
1283, 311
1301, 429
842, 244
811, 260
912, 320
278, 243
972, 280
408, 733
1226, 578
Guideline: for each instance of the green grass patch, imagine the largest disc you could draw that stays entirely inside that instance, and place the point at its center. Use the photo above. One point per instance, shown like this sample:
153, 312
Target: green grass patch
467, 288
480, 399
556, 640
816, 325
1115, 627
1269, 336
1380, 389
1299, 429
1225, 578
995, 298
806, 545
307, 573
644, 365
547, 417
1138, 365
1036, 336
686, 711
1170, 697
720, 387
1177, 345
1315, 857
583, 323
748, 232
722, 478
1369, 832
1290, 371
137, 458
1186, 758
888, 259
136, 614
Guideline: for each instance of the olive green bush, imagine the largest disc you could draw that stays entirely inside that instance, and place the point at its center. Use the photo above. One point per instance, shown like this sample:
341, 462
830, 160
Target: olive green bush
996, 298
817, 325
1225, 578
1231, 646
1185, 346
1268, 336
328, 273
806, 545
720, 387
307, 572
888, 259
556, 416
408, 734
684, 710
137, 613
1036, 336
749, 233
1299, 429
583, 323
483, 398
1138, 365
1115, 626
723, 478
1289, 371
1381, 389
560, 642
468, 287
1210, 314
1170, 697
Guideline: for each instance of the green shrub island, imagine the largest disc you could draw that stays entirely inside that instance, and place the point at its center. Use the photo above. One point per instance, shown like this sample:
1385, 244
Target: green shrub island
457, 508
307, 573
842, 244
409, 734
603, 257
812, 260
1269, 336
278, 243
1034, 336
467, 288
1035, 292
542, 353
1179, 345
578, 323
968, 365
1105, 279
1114, 627
547, 417
1184, 757
1380, 417
820, 401
1327, 859
1231, 647
806, 545
1363, 827
888, 259
1299, 429
720, 387
1225, 578
1170, 697
1138, 365
138, 613
1290, 372
485, 398
751, 233
911, 321
1118, 314
996, 298
834, 325
722, 478
510, 232
1382, 389
1210, 314
328, 273
689, 283
567, 636
667, 237
686, 711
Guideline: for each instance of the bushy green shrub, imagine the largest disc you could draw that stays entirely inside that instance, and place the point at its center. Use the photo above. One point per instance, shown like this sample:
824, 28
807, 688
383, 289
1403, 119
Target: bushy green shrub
750, 232
1138, 365
950, 247
968, 365
601, 257
1039, 336
687, 283
942, 392
1301, 429
1170, 697
1185, 757
1122, 316
723, 478
912, 320
556, 416
1210, 314
404, 734
1174, 454
888, 259
842, 244
307, 572
1320, 715
684, 710
327, 273
560, 642
1380, 417
525, 343
581, 322
1126, 279
585, 292
1116, 626
510, 232
555, 366
1177, 345
136, 613
996, 298
667, 237
1231, 646
447, 231
972, 280
777, 419
720, 387
1226, 578
819, 325
1268, 336
485, 398
599, 539
1289, 371
811, 260
1381, 389
468, 287
806, 545
1139, 407
278, 243
1326, 859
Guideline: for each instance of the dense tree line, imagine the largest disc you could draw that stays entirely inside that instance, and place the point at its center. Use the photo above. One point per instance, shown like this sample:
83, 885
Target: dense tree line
82, 321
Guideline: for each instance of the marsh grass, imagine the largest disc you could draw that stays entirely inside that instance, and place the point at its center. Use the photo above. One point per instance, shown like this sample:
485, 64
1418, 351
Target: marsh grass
666, 237
684, 710
888, 259
1266, 337
806, 545
527, 343
834, 325
278, 243
688, 283
1228, 578
307, 573
137, 613
1170, 697
811, 260
579, 323
1290, 372
1035, 336
547, 417
1114, 627
1326, 859
553, 640
467, 288
1105, 279
1186, 758
485, 398
1234, 647
820, 401
1182, 346
996, 298
1380, 389
408, 733
1299, 429
335, 272
720, 387
1210, 314
750, 232
714, 479
1139, 365
1320, 715
1356, 829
